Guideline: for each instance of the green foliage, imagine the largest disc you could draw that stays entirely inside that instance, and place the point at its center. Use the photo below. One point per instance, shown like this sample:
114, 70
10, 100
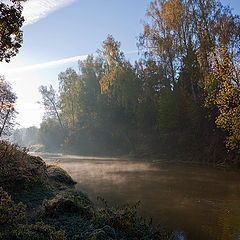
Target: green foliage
70, 86
168, 113
50, 135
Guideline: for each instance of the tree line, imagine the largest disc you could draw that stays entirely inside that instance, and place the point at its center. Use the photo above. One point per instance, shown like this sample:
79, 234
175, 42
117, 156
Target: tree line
180, 99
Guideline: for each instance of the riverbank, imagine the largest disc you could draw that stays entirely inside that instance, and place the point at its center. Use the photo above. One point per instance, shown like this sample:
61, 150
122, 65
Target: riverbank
39, 201
56, 156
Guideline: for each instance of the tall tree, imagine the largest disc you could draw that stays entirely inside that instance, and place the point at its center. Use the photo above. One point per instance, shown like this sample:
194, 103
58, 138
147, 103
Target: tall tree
50, 101
7, 110
69, 88
119, 80
121, 86
173, 23
91, 71
189, 75
166, 35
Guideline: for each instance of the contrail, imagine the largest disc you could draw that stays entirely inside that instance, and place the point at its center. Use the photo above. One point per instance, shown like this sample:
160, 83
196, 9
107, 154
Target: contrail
47, 64
50, 64
34, 10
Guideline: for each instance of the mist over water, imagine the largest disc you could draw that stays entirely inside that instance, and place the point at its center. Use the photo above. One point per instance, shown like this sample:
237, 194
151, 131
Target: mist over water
198, 202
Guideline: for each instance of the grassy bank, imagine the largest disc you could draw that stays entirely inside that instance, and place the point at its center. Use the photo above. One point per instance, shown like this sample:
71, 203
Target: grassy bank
39, 202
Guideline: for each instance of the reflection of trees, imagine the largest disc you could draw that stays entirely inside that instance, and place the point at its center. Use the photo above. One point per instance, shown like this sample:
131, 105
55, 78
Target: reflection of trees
228, 223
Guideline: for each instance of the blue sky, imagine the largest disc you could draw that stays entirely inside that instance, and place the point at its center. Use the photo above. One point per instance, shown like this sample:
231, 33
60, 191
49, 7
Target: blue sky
58, 32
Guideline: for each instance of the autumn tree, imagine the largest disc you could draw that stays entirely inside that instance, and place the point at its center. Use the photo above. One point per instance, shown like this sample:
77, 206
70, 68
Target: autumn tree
121, 86
119, 81
174, 24
7, 108
223, 95
69, 87
11, 21
166, 34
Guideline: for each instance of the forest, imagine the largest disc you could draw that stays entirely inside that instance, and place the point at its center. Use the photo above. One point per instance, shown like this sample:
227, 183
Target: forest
179, 100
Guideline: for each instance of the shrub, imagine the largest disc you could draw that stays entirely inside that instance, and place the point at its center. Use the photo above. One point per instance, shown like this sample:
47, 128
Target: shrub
10, 213
71, 202
59, 175
13, 224
18, 170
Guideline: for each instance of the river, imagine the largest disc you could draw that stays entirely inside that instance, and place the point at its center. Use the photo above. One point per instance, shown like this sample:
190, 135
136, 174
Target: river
198, 203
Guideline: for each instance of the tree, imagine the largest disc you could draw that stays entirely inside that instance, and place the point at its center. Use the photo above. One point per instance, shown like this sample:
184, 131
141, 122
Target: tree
7, 110
166, 35
119, 81
121, 86
69, 87
152, 85
50, 102
174, 24
223, 95
11, 21
189, 75
91, 100
50, 135
31, 136
113, 61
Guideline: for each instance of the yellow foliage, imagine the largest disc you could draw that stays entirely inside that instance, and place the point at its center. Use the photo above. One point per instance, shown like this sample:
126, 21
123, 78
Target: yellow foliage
224, 93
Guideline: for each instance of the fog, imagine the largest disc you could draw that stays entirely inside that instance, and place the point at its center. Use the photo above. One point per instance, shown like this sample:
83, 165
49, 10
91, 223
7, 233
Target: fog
196, 202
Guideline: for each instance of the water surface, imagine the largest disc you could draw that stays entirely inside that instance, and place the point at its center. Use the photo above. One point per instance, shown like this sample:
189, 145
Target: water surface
199, 203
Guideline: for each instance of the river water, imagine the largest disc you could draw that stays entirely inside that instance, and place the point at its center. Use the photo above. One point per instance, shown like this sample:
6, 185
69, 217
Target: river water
198, 203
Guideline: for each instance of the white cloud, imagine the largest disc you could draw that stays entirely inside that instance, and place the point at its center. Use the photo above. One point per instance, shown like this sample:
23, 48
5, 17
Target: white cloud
34, 10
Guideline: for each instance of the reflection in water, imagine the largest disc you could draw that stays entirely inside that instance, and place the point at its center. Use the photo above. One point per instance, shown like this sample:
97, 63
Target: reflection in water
228, 222
198, 202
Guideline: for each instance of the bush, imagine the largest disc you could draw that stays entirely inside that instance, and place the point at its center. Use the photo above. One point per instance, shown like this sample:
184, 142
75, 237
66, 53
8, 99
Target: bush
124, 223
13, 224
59, 175
18, 170
72, 202
10, 213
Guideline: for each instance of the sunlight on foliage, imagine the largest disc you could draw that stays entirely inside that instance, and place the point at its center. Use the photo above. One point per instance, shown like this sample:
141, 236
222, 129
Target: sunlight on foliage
223, 91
